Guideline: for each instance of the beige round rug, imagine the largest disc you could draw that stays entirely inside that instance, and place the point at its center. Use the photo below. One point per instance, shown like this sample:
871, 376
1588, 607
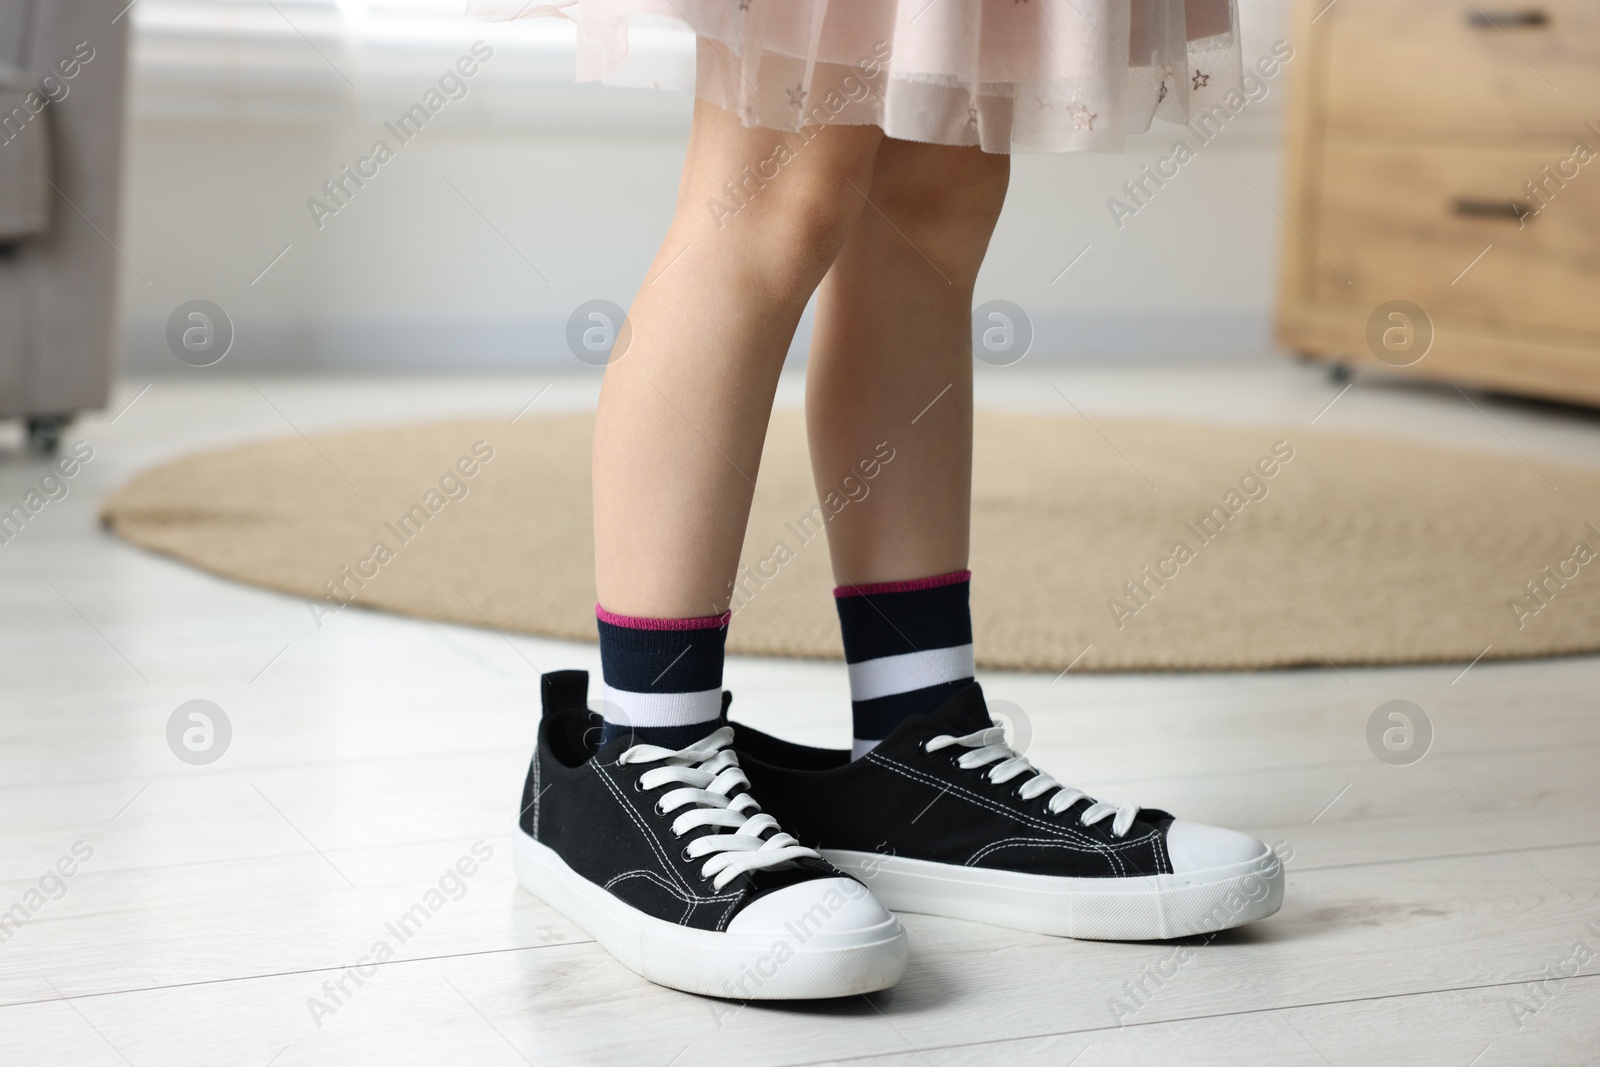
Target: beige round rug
1122, 545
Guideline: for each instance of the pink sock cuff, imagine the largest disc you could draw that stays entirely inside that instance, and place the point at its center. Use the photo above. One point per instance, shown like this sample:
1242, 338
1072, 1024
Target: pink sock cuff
705, 622
911, 586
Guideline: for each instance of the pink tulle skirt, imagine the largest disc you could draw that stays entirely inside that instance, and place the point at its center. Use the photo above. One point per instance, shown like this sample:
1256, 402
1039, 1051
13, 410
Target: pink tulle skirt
1007, 75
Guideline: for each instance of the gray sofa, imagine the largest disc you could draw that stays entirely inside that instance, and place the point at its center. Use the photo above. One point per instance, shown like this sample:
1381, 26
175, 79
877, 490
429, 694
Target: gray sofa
62, 89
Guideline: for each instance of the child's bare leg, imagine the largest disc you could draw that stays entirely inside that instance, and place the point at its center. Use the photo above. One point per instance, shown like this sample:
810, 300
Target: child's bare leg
892, 334
682, 417
684, 412
891, 364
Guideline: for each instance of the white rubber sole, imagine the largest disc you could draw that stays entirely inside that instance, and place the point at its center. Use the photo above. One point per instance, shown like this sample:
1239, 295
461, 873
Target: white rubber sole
1147, 908
799, 963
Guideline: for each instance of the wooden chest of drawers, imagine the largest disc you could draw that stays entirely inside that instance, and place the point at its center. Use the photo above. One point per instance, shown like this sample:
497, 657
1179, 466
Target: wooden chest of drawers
1444, 191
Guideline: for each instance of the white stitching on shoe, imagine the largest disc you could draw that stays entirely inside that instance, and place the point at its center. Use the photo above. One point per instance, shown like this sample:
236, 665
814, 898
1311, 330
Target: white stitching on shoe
655, 842
536, 792
692, 901
1114, 854
1023, 817
653, 876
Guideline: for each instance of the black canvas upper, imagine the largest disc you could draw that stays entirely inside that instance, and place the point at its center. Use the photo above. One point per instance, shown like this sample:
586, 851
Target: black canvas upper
901, 800
588, 808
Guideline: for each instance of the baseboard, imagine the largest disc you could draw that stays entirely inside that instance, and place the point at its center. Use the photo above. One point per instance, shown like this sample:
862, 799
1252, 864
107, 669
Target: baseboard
533, 343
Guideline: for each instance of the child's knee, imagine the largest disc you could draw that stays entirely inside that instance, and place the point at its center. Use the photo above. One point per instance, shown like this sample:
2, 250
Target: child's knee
796, 194
961, 200
803, 223
950, 221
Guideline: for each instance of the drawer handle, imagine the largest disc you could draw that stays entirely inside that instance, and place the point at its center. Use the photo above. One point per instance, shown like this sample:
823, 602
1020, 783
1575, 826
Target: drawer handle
1492, 209
1492, 20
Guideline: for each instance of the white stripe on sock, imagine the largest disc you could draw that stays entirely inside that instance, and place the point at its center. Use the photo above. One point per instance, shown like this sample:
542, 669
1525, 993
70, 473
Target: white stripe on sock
859, 748
660, 709
887, 675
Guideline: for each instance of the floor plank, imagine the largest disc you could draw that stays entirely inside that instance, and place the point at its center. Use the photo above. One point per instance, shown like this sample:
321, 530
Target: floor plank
371, 753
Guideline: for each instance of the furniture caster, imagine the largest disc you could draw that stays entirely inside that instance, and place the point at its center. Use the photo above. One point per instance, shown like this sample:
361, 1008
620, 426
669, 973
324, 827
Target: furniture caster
44, 433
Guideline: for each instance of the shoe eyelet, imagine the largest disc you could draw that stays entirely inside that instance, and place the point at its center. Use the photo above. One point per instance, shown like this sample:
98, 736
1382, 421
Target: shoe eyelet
659, 809
638, 784
684, 855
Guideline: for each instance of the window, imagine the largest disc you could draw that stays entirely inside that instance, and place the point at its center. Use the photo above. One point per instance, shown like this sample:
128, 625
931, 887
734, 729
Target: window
277, 58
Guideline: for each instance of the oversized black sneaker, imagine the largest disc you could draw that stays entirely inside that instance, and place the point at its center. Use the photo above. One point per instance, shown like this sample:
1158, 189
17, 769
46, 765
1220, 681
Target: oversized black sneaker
667, 861
943, 818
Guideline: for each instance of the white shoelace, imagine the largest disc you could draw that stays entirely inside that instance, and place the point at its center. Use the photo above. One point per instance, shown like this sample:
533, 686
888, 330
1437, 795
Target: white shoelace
989, 744
708, 772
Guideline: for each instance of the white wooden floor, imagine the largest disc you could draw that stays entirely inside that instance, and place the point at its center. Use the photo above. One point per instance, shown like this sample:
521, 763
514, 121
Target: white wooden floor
216, 902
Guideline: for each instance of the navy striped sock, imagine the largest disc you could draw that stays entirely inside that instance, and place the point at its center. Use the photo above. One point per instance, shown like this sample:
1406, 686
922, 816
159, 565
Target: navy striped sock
909, 647
663, 677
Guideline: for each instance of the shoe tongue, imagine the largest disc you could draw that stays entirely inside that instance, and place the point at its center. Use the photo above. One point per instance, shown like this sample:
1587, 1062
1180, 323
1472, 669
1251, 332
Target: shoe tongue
965, 711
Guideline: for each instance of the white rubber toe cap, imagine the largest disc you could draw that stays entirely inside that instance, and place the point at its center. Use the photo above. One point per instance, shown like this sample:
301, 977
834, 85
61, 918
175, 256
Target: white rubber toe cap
1195, 846
838, 907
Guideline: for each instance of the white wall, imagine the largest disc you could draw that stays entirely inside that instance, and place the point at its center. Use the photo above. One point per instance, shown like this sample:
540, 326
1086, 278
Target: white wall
231, 136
